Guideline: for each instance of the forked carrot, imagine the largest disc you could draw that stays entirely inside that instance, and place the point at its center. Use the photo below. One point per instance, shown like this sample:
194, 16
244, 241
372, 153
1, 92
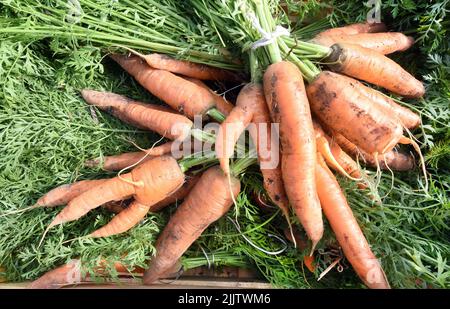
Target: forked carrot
408, 118
148, 183
135, 212
336, 158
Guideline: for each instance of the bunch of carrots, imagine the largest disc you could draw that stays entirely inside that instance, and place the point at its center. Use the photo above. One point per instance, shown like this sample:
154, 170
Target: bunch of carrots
331, 121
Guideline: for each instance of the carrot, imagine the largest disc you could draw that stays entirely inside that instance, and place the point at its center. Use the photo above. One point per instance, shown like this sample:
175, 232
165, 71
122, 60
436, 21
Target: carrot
209, 200
71, 274
124, 160
301, 243
187, 68
61, 195
251, 107
373, 67
288, 105
393, 160
179, 194
336, 101
135, 212
323, 142
408, 118
335, 157
348, 233
123, 221
141, 115
148, 183
182, 95
383, 43
66, 274
222, 104
353, 29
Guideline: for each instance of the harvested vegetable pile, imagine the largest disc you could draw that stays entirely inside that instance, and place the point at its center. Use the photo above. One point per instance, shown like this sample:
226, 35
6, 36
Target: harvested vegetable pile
97, 95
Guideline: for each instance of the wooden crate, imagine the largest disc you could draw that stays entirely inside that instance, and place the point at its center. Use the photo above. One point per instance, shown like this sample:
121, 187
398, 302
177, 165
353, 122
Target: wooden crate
198, 278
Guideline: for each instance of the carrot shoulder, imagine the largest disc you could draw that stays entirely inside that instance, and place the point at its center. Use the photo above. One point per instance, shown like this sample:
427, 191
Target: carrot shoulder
288, 105
209, 200
347, 231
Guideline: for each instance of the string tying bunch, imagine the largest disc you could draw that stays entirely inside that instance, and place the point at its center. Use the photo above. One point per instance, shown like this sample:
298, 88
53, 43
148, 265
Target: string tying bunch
267, 37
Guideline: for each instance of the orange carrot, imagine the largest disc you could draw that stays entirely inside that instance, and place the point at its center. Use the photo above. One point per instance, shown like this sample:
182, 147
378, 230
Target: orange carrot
348, 233
187, 68
251, 107
383, 43
182, 95
336, 101
209, 200
124, 160
335, 157
301, 243
123, 221
408, 118
65, 193
370, 66
60, 195
179, 194
71, 274
141, 115
288, 105
135, 212
393, 160
148, 183
353, 29
222, 104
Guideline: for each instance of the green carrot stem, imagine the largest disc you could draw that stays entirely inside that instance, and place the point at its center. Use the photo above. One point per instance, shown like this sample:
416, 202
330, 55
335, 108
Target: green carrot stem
272, 49
240, 165
308, 72
215, 114
196, 159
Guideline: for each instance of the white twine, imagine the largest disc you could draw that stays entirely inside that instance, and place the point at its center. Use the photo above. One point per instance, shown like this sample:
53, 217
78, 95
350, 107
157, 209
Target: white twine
267, 38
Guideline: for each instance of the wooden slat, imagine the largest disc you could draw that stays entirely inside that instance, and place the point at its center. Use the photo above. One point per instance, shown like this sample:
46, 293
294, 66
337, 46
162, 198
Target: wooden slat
185, 283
